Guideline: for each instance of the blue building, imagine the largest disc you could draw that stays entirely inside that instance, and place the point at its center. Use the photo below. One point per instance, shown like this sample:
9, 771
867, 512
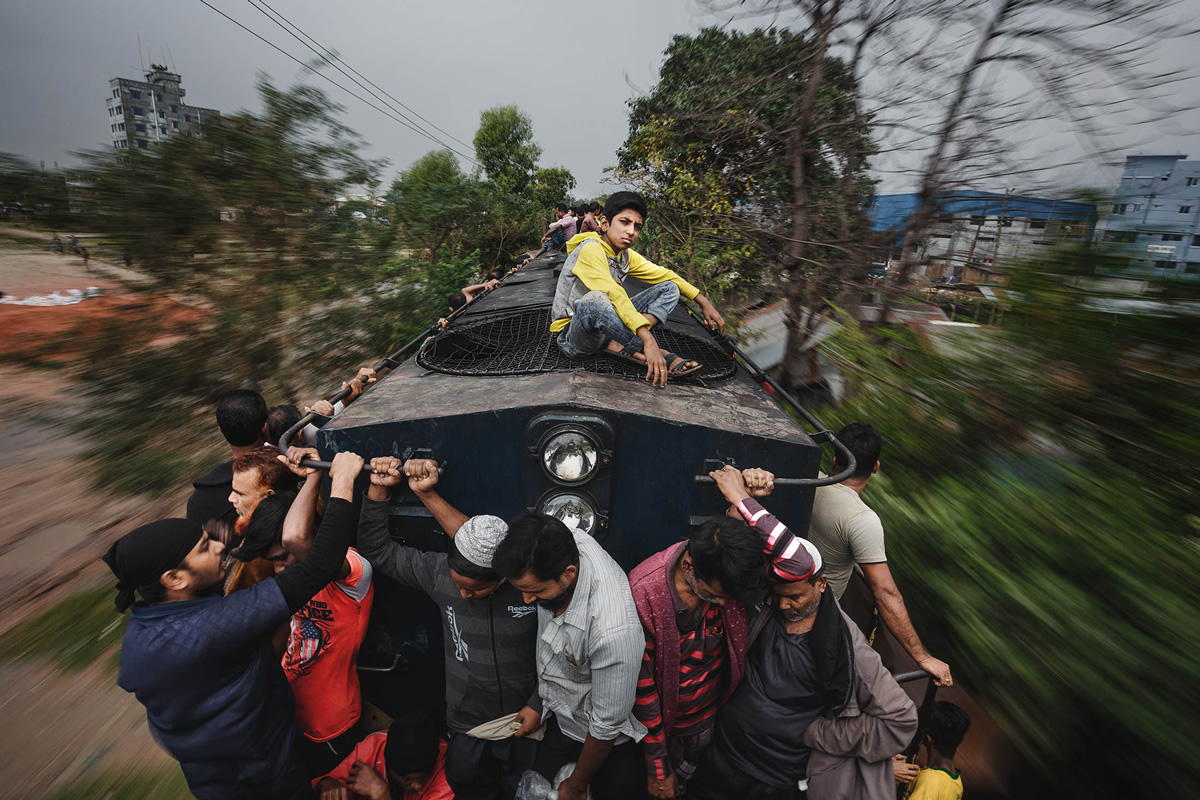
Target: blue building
975, 234
1155, 217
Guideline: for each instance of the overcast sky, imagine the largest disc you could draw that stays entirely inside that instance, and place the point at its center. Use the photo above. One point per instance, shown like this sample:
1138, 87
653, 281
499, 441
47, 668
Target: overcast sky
572, 70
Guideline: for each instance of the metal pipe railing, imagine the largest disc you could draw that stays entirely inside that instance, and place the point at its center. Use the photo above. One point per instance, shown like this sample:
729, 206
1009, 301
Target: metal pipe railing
820, 436
391, 362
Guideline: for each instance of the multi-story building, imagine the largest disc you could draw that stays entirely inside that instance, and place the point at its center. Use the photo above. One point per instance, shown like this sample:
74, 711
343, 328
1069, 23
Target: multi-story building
1155, 217
141, 113
975, 234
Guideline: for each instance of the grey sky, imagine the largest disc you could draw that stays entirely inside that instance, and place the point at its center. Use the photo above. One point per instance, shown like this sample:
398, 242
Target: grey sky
570, 68
446, 60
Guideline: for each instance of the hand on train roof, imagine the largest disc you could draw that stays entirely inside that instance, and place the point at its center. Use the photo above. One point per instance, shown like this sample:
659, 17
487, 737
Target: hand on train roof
422, 474
712, 317
656, 363
759, 482
297, 454
386, 471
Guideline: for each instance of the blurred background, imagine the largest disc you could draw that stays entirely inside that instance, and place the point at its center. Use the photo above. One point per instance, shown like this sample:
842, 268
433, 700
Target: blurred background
975, 225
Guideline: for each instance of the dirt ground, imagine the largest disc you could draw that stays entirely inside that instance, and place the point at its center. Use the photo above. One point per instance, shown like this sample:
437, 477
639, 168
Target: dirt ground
60, 728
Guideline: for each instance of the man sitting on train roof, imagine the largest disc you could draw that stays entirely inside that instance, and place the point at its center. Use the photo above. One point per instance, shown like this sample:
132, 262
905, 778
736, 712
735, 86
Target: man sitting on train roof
816, 711
589, 650
593, 312
493, 708
692, 600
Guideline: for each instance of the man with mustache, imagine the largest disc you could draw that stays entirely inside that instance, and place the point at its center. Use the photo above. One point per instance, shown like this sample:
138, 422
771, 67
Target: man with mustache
816, 714
589, 652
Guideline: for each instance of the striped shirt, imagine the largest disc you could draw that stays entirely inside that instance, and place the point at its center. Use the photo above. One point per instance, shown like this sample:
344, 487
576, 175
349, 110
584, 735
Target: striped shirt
702, 676
588, 656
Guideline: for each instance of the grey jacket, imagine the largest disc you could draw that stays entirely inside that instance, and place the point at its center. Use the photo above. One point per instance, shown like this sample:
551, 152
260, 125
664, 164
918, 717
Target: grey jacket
489, 643
852, 752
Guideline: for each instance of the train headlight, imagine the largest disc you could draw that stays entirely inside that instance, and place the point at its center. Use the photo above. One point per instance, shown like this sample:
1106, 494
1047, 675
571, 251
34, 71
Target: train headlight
570, 457
574, 510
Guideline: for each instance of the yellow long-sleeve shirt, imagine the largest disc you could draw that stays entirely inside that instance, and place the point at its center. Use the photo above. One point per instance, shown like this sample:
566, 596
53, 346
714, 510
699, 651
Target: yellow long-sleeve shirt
598, 268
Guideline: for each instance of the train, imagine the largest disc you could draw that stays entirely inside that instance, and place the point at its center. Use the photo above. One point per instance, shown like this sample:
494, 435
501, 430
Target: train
516, 426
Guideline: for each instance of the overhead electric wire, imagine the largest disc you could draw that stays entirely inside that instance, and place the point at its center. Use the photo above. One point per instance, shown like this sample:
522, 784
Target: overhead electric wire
328, 53
350, 92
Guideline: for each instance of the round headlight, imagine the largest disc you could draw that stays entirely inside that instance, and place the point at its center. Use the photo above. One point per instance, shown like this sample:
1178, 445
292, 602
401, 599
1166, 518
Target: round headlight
570, 457
574, 511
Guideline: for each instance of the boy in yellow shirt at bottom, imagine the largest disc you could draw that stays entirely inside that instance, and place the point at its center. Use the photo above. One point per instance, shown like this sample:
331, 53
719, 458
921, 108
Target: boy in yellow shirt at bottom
943, 731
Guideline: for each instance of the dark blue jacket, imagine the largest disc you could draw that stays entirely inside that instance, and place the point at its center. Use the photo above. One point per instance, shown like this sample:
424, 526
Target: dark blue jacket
215, 694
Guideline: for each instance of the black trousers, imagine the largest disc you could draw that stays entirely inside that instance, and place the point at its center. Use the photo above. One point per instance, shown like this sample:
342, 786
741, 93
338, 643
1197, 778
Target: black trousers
320, 758
481, 769
717, 779
622, 776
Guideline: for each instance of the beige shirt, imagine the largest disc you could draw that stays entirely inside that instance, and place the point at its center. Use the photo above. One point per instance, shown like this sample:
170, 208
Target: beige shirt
846, 532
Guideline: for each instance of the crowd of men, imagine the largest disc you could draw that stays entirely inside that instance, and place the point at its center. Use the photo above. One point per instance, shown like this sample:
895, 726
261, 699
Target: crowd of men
720, 667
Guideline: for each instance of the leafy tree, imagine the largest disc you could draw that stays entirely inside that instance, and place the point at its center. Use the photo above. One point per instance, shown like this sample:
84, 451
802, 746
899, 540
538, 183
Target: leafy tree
279, 174
743, 148
434, 200
505, 148
1038, 491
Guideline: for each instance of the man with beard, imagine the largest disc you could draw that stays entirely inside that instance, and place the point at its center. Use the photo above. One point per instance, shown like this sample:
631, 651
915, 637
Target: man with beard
816, 712
242, 420
589, 651
202, 664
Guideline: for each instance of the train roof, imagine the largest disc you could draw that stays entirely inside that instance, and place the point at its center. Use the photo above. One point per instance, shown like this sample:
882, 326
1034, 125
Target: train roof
500, 354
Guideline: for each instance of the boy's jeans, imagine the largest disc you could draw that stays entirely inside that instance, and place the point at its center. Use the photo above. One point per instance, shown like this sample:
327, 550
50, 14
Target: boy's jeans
595, 321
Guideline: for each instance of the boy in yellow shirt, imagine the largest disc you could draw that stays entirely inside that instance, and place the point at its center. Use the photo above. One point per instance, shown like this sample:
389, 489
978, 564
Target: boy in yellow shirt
592, 311
943, 730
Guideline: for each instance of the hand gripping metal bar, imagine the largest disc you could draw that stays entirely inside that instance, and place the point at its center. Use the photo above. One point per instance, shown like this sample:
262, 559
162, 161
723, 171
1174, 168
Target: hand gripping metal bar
820, 436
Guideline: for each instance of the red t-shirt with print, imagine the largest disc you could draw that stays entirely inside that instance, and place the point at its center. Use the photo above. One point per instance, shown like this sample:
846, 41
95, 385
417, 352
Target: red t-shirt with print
370, 752
322, 650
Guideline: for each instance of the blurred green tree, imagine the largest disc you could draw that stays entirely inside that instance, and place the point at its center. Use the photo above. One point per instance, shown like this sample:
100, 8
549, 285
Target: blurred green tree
1038, 489
434, 201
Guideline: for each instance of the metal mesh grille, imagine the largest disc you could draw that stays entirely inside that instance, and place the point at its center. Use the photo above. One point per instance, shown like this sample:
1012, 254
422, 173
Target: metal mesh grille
521, 343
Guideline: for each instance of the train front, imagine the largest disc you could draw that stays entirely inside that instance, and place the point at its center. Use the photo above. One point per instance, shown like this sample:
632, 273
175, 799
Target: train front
517, 427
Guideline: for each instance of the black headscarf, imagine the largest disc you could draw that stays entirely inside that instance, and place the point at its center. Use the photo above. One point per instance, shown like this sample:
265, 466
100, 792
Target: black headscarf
411, 748
139, 557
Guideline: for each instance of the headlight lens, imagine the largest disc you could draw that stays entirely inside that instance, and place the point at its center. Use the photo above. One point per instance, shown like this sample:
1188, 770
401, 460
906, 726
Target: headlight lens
575, 511
570, 457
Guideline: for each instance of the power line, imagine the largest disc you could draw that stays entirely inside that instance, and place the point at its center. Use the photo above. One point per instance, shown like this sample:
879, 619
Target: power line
353, 94
328, 53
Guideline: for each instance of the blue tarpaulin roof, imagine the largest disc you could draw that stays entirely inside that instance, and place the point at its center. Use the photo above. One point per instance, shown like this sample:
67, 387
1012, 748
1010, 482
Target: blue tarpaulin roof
890, 212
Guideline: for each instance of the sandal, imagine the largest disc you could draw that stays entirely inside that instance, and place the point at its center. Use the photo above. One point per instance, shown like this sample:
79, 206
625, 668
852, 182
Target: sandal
681, 369
627, 355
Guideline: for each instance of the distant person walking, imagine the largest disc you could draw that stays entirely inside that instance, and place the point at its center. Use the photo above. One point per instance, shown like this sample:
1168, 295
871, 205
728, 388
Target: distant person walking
128, 257
56, 244
73, 243
83, 252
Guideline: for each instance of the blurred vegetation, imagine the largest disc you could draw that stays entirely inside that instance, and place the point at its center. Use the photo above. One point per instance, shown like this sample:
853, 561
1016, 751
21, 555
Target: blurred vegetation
1038, 490
73, 633
290, 266
165, 784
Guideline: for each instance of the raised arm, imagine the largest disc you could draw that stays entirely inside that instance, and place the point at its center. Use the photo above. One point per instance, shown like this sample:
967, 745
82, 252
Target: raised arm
422, 478
300, 582
407, 565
